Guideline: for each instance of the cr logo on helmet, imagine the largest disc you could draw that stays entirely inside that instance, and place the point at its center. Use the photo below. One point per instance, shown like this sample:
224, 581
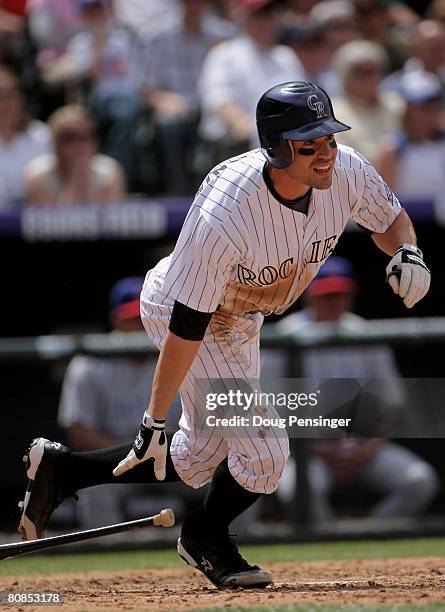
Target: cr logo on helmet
317, 105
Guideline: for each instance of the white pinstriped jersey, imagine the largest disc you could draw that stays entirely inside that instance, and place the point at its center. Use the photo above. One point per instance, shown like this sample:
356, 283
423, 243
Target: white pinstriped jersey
241, 250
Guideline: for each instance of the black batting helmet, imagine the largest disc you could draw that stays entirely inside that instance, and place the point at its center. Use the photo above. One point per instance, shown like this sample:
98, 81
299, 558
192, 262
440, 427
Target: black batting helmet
293, 111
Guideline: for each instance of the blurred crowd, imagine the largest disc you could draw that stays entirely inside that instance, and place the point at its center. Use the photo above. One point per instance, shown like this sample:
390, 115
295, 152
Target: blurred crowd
102, 99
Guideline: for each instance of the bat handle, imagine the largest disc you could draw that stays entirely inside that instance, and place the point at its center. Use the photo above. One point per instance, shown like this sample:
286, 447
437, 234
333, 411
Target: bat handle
166, 518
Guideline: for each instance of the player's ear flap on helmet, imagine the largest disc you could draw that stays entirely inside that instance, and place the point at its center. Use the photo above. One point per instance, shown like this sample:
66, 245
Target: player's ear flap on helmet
281, 155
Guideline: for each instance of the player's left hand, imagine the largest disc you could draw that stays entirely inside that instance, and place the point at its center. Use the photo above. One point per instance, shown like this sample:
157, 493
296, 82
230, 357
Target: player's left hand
150, 443
408, 275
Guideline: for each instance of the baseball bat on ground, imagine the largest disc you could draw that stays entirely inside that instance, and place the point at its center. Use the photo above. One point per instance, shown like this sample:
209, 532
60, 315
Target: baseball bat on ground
165, 518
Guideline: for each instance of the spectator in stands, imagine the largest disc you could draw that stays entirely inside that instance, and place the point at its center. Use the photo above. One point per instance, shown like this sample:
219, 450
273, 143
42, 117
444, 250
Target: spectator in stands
412, 160
51, 24
406, 482
108, 58
236, 72
336, 19
387, 24
298, 11
436, 10
359, 66
372, 19
312, 48
74, 173
175, 56
426, 52
12, 27
100, 404
143, 15
21, 139
223, 8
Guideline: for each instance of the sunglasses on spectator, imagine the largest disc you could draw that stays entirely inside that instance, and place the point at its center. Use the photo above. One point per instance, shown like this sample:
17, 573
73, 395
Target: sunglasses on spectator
71, 136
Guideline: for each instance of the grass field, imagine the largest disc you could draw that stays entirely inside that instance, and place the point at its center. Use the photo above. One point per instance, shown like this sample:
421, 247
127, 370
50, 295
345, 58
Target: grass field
275, 553
311, 557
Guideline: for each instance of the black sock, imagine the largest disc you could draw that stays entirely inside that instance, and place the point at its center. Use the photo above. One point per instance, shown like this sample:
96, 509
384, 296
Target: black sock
225, 500
82, 469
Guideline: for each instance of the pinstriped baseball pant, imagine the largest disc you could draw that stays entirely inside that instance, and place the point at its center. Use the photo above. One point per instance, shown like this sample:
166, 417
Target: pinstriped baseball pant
229, 350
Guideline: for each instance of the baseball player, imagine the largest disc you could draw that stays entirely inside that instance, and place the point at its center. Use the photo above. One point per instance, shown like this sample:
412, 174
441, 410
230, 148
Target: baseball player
258, 230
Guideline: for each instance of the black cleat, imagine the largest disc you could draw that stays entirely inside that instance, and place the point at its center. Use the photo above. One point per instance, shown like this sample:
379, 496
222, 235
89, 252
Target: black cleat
43, 493
219, 560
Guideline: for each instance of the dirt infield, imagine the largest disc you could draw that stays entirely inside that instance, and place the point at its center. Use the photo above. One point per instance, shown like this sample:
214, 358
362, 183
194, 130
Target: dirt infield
389, 581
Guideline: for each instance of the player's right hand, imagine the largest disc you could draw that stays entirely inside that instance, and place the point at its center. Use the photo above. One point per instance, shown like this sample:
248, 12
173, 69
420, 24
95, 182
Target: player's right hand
408, 275
150, 443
